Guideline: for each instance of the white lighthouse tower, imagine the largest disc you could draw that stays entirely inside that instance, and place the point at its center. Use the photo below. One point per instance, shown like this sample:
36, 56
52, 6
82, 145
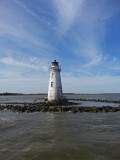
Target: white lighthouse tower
55, 93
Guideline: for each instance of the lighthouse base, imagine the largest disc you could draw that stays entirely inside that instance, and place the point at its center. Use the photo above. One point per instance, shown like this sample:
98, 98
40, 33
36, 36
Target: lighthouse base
60, 100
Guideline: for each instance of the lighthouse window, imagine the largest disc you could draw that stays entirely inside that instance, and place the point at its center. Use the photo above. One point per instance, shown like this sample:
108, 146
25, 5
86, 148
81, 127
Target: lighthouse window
51, 84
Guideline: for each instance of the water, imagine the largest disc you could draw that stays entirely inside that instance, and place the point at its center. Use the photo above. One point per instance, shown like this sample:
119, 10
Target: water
92, 103
40, 98
22, 99
59, 136
110, 96
52, 136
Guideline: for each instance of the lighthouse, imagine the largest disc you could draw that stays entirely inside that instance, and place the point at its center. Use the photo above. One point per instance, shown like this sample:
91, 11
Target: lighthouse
55, 93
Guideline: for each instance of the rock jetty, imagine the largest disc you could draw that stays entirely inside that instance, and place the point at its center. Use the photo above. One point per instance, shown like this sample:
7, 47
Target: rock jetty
49, 107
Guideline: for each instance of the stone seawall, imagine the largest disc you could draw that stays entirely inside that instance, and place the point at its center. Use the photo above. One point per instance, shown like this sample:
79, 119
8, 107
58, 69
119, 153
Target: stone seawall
48, 107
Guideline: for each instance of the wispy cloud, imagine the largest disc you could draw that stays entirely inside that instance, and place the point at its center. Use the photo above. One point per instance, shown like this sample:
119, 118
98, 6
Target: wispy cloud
17, 27
13, 31
25, 85
21, 4
32, 63
85, 23
94, 84
67, 12
77, 17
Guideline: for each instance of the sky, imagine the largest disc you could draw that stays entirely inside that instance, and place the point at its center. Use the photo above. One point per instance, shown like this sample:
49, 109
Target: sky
82, 35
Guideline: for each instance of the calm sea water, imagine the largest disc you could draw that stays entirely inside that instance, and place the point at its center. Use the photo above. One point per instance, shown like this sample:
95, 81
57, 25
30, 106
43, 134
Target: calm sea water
40, 98
59, 136
110, 96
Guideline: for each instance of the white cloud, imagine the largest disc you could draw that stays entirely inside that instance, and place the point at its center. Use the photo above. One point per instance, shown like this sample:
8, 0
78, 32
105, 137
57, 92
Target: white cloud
96, 61
89, 29
94, 84
15, 32
114, 59
67, 12
33, 63
90, 32
18, 27
26, 9
25, 85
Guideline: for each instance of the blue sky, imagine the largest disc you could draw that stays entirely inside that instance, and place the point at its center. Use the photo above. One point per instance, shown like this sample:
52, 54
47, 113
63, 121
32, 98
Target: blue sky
83, 35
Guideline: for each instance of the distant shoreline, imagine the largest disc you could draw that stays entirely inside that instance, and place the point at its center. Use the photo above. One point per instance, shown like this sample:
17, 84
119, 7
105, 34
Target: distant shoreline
17, 94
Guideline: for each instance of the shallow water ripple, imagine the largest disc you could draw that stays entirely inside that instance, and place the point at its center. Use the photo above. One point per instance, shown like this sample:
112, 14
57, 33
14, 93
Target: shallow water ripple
59, 136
